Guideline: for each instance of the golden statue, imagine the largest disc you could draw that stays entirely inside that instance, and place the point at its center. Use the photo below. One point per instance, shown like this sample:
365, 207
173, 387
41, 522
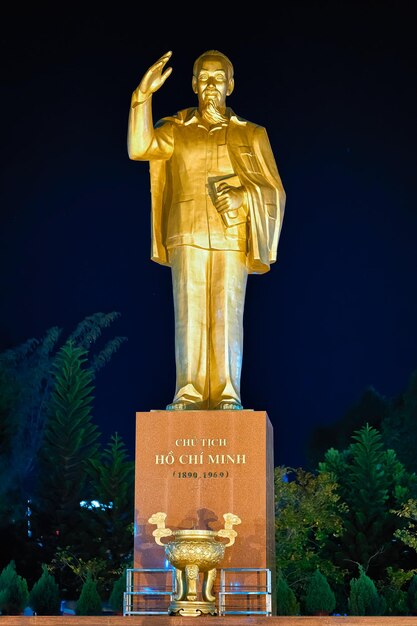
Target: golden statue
217, 210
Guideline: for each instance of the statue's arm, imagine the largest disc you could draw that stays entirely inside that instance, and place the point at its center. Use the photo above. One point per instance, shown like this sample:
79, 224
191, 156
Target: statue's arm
143, 143
266, 157
272, 191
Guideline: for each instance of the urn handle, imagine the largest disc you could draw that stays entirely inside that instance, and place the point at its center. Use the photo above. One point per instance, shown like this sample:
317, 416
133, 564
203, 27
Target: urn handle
230, 520
160, 531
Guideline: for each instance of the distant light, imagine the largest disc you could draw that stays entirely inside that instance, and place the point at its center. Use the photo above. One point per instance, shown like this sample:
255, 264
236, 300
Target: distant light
95, 504
28, 514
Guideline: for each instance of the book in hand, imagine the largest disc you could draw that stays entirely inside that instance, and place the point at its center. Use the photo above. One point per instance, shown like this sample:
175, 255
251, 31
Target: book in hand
235, 216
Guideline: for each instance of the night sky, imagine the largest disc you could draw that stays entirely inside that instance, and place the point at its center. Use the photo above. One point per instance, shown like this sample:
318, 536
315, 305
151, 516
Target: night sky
334, 84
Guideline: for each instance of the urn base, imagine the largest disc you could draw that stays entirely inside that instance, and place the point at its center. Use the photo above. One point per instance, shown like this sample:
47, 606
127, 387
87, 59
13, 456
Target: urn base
192, 608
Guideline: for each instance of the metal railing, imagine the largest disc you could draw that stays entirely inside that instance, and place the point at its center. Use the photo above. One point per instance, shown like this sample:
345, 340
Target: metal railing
143, 599
242, 591
251, 597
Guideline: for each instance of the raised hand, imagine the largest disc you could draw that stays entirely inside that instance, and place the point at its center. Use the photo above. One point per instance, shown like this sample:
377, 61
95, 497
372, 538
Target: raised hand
153, 79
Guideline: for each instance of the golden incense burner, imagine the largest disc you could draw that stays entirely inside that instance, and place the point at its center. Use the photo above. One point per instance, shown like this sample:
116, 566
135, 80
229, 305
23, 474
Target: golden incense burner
192, 552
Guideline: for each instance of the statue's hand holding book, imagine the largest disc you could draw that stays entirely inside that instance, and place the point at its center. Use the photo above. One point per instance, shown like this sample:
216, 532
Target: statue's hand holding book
227, 195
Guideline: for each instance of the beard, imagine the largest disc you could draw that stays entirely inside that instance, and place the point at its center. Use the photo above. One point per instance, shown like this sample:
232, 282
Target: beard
212, 114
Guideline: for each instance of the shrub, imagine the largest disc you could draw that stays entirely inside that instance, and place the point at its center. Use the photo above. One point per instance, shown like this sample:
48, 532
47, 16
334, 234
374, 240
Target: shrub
286, 601
364, 598
396, 602
13, 591
116, 596
89, 602
45, 598
412, 596
319, 597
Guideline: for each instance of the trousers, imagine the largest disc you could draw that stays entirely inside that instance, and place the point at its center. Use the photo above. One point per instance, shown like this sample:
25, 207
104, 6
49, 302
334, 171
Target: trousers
209, 293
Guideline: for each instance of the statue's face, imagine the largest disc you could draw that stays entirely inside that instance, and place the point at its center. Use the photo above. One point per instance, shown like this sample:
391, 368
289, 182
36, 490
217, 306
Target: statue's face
212, 82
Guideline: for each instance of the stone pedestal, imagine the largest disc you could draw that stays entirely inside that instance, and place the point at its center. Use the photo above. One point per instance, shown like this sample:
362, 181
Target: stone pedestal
197, 465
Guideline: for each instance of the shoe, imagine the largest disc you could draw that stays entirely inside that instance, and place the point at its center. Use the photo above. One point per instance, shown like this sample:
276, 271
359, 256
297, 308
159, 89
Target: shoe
229, 405
180, 405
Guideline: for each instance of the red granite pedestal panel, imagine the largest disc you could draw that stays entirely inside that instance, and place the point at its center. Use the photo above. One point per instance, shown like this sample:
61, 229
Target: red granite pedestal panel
197, 465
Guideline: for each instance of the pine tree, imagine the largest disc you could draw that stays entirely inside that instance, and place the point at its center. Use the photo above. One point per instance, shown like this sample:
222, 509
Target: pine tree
45, 598
13, 591
371, 409
26, 377
109, 526
26, 382
89, 602
364, 598
117, 594
286, 601
372, 482
70, 441
112, 479
319, 596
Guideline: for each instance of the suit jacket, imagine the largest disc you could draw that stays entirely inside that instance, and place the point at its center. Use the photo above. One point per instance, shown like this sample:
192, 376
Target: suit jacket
253, 162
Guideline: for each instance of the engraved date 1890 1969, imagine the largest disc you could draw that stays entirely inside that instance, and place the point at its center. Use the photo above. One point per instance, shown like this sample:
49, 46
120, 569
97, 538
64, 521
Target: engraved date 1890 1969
200, 475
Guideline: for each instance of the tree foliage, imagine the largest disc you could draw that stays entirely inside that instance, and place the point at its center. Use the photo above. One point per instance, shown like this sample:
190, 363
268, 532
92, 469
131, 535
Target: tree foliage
104, 543
364, 598
412, 595
286, 600
117, 593
24, 389
87, 333
308, 510
394, 417
70, 441
73, 563
395, 601
371, 482
408, 534
371, 409
110, 525
45, 597
26, 376
26, 380
319, 597
399, 425
13, 591
48, 445
89, 602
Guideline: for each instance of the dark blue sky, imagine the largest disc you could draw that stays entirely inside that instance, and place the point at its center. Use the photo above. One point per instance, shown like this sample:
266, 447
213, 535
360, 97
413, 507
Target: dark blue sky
334, 84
